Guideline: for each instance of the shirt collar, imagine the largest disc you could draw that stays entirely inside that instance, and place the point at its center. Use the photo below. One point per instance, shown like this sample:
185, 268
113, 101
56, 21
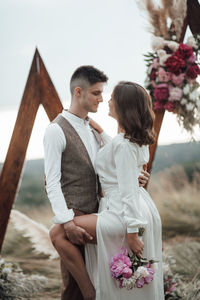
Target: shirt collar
69, 116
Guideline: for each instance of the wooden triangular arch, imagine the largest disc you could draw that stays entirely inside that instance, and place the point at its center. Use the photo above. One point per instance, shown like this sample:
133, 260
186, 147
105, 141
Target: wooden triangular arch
39, 89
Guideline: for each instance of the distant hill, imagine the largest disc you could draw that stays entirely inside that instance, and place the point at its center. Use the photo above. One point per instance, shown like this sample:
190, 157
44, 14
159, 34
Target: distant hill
32, 187
181, 154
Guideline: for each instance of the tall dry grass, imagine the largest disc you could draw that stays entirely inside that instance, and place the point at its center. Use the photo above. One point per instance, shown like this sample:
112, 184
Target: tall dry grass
177, 200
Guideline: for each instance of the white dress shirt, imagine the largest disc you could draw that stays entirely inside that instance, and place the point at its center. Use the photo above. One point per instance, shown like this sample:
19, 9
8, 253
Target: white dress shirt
54, 144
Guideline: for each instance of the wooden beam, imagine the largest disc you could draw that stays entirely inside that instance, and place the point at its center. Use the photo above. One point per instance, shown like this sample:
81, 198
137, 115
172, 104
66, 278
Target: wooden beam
39, 89
193, 16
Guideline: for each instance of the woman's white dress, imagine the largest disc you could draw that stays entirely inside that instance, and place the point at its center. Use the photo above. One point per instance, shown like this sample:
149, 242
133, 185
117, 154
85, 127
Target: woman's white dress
125, 208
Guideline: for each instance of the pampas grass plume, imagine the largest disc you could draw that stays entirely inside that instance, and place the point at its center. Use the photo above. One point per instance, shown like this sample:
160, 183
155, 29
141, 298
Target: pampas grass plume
36, 232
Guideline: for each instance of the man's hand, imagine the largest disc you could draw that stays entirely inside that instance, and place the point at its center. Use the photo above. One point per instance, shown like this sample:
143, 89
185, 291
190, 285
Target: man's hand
76, 234
143, 179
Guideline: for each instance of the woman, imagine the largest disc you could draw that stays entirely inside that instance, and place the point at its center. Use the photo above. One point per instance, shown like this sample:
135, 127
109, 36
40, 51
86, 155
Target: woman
125, 208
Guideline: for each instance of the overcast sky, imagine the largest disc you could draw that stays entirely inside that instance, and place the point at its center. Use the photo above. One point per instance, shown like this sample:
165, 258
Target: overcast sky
109, 34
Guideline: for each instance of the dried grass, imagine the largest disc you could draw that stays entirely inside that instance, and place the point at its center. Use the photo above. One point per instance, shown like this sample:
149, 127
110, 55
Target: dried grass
177, 200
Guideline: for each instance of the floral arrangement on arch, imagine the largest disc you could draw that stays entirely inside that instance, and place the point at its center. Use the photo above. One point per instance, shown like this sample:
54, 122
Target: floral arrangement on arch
173, 67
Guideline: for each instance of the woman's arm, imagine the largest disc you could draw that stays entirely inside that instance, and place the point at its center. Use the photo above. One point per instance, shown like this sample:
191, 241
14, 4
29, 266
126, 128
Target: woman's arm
104, 136
125, 156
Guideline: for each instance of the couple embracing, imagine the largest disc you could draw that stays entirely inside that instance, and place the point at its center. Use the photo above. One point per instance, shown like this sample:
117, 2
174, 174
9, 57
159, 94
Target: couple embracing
95, 186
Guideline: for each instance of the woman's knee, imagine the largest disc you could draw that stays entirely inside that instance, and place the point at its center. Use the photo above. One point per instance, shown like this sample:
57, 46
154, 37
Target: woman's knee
56, 234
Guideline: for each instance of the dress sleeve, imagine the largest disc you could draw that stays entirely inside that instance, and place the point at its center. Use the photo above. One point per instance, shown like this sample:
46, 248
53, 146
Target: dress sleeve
125, 157
105, 137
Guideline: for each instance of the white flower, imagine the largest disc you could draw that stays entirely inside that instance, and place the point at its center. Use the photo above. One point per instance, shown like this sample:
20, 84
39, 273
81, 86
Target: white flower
198, 103
129, 283
193, 96
163, 59
173, 37
7, 270
172, 45
186, 89
175, 94
157, 43
141, 272
190, 106
191, 42
184, 101
2, 261
161, 52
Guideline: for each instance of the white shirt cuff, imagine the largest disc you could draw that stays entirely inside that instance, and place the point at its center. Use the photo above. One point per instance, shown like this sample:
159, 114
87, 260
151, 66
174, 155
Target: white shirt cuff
64, 217
105, 137
132, 230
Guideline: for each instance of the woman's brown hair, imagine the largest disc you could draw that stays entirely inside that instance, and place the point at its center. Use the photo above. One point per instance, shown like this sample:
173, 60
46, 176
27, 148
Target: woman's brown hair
134, 111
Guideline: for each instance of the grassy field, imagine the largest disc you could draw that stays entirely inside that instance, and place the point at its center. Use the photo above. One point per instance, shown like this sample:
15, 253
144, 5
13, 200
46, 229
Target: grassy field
178, 202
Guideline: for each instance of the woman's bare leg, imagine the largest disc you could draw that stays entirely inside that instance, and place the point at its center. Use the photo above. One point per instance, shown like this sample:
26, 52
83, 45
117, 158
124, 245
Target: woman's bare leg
70, 254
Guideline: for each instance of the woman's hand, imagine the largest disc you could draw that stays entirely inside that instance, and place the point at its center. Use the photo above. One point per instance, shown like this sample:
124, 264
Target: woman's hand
135, 244
96, 126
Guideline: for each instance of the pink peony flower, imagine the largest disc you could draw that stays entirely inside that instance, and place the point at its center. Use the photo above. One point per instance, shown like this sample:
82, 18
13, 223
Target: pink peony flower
193, 71
184, 51
140, 282
175, 64
170, 106
177, 79
149, 278
127, 272
175, 94
120, 263
162, 75
161, 92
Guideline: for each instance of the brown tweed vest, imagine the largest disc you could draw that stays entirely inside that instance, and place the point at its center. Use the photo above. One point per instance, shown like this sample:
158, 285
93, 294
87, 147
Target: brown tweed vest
79, 182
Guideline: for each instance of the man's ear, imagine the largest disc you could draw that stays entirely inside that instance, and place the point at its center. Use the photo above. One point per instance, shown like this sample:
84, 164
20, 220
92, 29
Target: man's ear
78, 91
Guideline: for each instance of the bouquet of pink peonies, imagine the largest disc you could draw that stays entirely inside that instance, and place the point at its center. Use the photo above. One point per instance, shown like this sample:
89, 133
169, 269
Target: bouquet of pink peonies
172, 75
131, 271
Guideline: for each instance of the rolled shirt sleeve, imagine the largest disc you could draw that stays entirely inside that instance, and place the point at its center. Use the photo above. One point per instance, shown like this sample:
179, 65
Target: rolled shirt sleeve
54, 144
125, 156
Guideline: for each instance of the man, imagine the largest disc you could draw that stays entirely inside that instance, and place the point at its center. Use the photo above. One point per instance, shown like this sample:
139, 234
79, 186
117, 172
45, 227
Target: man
70, 147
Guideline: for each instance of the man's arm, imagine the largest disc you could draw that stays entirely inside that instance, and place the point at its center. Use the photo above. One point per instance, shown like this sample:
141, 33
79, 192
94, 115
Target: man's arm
144, 177
54, 145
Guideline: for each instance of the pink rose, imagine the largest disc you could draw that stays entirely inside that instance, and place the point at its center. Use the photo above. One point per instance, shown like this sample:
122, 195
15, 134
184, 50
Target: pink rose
155, 63
158, 105
193, 71
192, 59
175, 64
153, 83
161, 92
175, 94
170, 106
153, 74
184, 51
177, 79
162, 75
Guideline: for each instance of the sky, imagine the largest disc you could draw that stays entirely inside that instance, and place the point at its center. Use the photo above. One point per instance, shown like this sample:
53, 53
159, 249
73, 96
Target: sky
111, 35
